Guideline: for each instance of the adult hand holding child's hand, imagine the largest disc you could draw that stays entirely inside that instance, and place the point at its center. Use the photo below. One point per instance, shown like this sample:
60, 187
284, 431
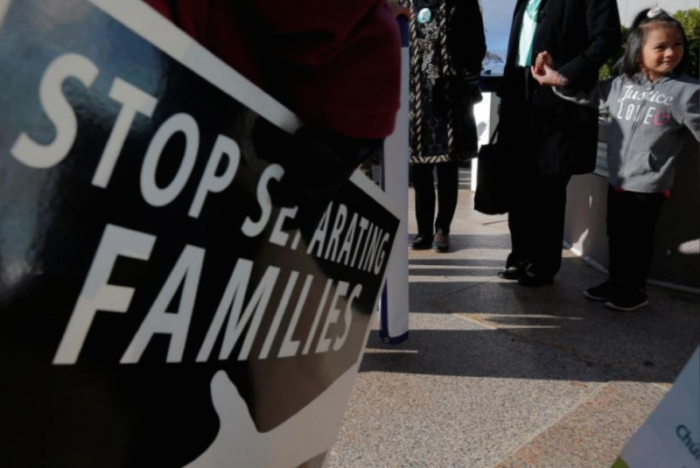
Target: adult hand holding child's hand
543, 72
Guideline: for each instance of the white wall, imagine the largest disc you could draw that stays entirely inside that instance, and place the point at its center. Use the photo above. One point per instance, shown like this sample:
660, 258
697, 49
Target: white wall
630, 8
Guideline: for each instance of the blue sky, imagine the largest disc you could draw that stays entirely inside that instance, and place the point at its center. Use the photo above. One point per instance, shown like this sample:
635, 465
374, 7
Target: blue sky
498, 15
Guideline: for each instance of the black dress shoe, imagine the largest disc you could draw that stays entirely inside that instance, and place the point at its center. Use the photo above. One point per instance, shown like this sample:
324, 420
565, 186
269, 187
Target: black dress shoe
441, 243
529, 280
421, 242
511, 273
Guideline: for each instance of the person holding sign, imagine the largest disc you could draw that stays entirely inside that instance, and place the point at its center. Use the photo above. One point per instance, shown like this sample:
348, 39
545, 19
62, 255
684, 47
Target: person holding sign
336, 66
547, 139
155, 281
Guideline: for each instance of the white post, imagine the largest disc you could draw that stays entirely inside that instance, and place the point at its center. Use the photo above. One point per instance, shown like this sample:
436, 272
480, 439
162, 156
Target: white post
394, 302
486, 116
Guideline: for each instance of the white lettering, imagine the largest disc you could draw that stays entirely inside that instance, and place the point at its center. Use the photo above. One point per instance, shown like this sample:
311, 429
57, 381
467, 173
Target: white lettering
232, 300
281, 309
319, 238
363, 227
317, 318
373, 248
348, 318
251, 228
650, 115
289, 346
347, 244
620, 110
133, 101
159, 321
211, 183
231, 306
97, 294
278, 236
334, 240
59, 111
153, 194
382, 254
324, 343
363, 264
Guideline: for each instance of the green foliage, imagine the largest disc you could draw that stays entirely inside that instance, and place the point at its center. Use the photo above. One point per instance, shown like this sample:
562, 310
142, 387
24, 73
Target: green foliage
690, 19
608, 70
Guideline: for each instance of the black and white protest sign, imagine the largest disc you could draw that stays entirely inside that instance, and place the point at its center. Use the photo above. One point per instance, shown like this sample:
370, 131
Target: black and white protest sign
166, 297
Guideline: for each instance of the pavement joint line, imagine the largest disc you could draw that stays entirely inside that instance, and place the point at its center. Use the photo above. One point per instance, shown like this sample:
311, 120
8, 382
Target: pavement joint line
494, 222
469, 222
472, 285
566, 414
463, 221
462, 289
476, 322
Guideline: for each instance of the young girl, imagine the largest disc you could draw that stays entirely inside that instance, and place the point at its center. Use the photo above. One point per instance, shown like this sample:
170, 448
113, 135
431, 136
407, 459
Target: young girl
652, 106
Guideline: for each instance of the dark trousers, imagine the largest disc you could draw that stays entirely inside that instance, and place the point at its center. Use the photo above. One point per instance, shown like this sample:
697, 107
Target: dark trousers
632, 219
536, 222
447, 191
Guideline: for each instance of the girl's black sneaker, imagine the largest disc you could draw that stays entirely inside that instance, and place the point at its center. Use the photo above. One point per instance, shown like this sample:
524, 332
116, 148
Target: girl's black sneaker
628, 301
602, 292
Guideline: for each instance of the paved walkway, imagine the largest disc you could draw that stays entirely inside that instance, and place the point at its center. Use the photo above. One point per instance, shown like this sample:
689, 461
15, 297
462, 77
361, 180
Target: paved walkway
496, 375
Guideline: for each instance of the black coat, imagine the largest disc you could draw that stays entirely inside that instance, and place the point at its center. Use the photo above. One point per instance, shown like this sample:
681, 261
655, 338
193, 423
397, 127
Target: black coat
446, 57
548, 135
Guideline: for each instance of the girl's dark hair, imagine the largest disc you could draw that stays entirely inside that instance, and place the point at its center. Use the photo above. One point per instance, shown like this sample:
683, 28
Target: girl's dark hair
629, 63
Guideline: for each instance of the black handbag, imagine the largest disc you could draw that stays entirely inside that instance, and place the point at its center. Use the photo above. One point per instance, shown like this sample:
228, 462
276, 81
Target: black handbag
492, 180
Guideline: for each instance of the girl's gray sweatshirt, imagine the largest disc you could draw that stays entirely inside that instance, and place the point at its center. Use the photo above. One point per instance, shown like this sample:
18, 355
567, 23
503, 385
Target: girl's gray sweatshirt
649, 121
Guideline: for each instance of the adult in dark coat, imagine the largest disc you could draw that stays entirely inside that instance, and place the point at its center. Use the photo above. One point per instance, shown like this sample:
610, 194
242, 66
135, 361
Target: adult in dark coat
447, 48
546, 138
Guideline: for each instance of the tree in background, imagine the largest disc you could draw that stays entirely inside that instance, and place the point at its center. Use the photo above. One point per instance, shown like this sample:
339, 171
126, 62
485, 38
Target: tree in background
610, 69
690, 19
491, 61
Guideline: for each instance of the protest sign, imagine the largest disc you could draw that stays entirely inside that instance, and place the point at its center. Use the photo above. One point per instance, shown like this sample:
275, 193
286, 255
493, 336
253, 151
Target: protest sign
166, 296
670, 438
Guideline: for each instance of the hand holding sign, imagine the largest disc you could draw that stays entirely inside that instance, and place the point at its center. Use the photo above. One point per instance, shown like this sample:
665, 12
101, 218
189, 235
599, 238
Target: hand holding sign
306, 435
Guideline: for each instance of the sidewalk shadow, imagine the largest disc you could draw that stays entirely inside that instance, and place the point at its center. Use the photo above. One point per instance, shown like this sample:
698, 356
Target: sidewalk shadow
496, 246
651, 345
482, 354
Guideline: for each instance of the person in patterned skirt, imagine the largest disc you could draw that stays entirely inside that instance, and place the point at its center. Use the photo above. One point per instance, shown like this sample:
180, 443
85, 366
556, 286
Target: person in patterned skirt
447, 49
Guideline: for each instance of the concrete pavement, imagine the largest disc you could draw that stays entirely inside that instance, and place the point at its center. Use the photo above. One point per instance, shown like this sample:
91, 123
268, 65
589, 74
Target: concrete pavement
494, 374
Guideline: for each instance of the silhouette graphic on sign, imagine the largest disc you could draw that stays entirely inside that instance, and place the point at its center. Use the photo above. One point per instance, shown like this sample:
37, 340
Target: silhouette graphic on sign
307, 434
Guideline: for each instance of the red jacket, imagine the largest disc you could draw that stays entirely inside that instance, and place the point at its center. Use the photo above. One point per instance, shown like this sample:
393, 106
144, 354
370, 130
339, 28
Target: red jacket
335, 64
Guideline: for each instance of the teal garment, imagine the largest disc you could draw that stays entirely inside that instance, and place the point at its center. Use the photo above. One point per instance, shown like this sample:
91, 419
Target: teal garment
527, 33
